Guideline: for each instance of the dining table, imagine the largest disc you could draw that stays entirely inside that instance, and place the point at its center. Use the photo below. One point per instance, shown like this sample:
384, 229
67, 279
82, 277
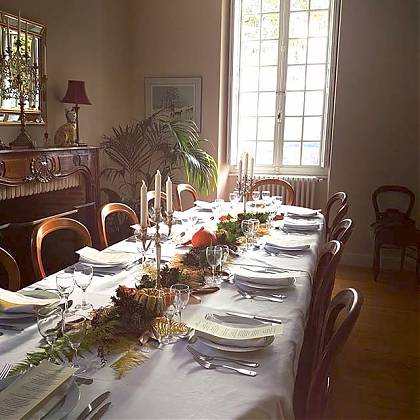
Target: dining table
169, 384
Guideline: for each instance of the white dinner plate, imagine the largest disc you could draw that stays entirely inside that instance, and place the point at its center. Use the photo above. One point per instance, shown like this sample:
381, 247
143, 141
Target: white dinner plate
270, 278
259, 286
209, 343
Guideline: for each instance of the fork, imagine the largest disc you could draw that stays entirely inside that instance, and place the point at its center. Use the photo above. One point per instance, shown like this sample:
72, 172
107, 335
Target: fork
210, 365
4, 371
208, 358
247, 295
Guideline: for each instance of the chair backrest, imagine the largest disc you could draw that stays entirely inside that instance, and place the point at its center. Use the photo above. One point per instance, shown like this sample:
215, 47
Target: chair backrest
180, 189
12, 270
49, 226
342, 231
151, 196
333, 339
404, 191
111, 208
337, 204
286, 186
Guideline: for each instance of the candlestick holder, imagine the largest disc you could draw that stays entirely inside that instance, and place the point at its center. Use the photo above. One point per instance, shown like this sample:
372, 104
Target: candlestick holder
169, 220
244, 185
156, 220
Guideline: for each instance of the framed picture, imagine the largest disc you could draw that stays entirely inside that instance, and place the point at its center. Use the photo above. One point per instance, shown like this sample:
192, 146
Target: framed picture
178, 97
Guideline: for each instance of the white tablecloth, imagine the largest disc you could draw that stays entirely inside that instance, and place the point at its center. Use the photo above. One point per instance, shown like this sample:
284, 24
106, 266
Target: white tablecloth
170, 384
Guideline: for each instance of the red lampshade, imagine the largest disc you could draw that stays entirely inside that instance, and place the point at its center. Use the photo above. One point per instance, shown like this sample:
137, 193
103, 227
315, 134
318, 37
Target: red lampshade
76, 93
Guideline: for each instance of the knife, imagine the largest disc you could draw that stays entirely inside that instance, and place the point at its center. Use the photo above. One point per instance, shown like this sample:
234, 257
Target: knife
101, 411
94, 405
259, 318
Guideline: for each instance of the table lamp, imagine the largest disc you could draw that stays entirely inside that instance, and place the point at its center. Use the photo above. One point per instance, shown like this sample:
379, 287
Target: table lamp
76, 94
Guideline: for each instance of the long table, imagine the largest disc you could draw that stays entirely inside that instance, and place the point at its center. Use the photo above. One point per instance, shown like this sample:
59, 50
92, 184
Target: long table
170, 384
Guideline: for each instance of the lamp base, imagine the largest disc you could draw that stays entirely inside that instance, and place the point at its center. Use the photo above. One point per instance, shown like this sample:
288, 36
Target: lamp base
22, 141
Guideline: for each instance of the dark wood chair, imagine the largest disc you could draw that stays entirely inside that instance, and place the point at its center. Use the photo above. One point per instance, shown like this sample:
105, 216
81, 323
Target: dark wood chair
335, 211
49, 226
12, 270
185, 188
289, 192
335, 332
112, 208
393, 227
342, 231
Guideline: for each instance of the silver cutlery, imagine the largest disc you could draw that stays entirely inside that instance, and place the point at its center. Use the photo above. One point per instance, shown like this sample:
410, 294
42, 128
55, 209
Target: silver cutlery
4, 371
211, 365
94, 405
282, 254
282, 269
208, 358
258, 318
266, 266
247, 295
101, 411
83, 380
133, 264
261, 270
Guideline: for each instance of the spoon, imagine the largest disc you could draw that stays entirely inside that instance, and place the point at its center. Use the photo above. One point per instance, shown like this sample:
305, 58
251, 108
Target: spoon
247, 295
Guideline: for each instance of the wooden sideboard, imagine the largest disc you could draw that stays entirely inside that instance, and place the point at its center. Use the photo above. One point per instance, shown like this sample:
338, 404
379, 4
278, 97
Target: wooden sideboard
36, 184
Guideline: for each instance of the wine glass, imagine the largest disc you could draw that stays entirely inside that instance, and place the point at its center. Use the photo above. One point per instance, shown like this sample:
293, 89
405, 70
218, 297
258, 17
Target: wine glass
74, 331
83, 274
214, 258
169, 314
272, 212
225, 254
49, 319
247, 226
233, 198
255, 227
278, 201
65, 287
218, 206
266, 196
139, 245
192, 221
255, 195
181, 293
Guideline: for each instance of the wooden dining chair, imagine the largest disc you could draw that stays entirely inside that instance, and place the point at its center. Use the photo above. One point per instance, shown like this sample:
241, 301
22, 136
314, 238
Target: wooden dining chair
335, 211
342, 231
342, 314
151, 196
287, 190
185, 188
12, 270
49, 226
113, 208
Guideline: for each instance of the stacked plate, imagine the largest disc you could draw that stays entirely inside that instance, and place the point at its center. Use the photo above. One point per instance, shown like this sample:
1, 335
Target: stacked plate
301, 226
302, 212
260, 278
290, 245
106, 261
230, 345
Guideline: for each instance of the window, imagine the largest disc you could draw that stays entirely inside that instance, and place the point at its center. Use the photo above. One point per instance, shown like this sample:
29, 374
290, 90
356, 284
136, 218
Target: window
281, 55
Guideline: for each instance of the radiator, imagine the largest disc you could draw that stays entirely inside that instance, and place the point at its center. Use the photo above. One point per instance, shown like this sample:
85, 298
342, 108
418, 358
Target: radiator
304, 187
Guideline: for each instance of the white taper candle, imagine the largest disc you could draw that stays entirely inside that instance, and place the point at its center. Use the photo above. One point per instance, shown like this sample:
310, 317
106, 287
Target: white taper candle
158, 189
251, 173
246, 164
169, 203
143, 205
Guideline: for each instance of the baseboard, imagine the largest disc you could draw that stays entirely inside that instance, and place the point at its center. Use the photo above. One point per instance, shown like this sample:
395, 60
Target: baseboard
390, 260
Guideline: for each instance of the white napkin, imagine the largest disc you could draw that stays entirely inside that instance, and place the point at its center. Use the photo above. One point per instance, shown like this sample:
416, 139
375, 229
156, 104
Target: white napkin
204, 205
302, 212
259, 275
301, 225
287, 244
16, 302
105, 258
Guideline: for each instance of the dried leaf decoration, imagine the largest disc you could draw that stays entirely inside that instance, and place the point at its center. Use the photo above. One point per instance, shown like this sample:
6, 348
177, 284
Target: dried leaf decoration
130, 359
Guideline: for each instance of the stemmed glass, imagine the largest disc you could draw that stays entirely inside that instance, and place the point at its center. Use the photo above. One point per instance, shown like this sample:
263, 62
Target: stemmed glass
169, 314
225, 254
247, 226
140, 247
278, 201
65, 287
181, 294
50, 323
255, 227
255, 195
83, 274
214, 258
74, 331
233, 198
266, 196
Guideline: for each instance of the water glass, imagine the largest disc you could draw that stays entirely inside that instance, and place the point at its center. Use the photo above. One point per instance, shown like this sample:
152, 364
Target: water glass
83, 274
256, 195
278, 201
255, 227
192, 221
266, 196
225, 254
233, 198
181, 294
169, 314
65, 287
214, 258
50, 323
247, 227
74, 331
140, 247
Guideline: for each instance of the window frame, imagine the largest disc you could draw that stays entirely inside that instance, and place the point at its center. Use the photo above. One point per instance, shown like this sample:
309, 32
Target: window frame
329, 99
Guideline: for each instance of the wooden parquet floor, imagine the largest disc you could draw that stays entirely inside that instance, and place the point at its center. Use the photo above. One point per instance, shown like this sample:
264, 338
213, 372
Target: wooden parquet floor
377, 374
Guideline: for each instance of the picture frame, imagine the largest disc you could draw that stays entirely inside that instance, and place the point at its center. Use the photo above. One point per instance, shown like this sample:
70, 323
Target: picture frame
181, 95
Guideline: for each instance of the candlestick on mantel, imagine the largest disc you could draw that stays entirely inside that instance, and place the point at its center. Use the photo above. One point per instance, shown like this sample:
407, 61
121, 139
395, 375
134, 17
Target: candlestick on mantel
158, 189
169, 203
143, 206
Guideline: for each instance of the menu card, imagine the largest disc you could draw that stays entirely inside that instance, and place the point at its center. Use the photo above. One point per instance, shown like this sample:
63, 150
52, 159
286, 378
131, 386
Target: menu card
16, 302
233, 333
22, 398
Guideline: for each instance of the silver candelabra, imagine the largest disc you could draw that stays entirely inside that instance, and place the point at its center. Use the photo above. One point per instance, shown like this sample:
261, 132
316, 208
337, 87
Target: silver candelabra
244, 185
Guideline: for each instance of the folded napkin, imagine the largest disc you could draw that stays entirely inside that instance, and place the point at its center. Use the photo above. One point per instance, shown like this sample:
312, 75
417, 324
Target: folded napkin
11, 302
302, 225
105, 258
302, 212
204, 205
287, 244
262, 276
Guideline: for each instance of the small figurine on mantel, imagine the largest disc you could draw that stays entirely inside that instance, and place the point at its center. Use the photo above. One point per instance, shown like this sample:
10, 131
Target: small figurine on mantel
66, 134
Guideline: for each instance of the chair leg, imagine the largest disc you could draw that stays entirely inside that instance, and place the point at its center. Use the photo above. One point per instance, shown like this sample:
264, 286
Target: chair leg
403, 251
376, 262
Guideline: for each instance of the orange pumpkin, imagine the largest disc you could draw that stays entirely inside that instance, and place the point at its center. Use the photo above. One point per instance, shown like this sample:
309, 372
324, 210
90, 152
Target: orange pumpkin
202, 238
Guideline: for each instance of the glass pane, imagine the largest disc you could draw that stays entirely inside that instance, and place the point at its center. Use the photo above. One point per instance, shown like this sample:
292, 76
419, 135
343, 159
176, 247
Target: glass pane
251, 6
293, 128
298, 25
312, 128
270, 26
265, 153
248, 104
270, 5
267, 103
250, 53
266, 127
247, 128
291, 153
314, 102
247, 147
317, 50
318, 23
294, 103
299, 4
310, 153
296, 53
268, 78
320, 4
315, 77
249, 79
251, 27
269, 53
295, 78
